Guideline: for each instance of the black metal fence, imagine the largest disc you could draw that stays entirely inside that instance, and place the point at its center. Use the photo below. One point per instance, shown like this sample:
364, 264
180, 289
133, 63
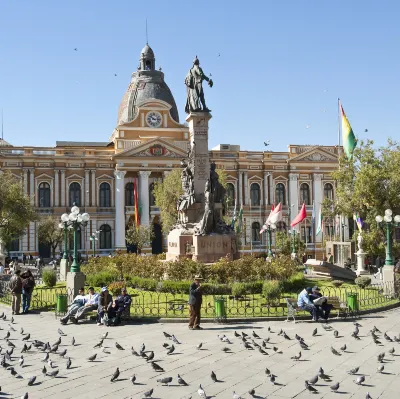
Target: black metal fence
155, 304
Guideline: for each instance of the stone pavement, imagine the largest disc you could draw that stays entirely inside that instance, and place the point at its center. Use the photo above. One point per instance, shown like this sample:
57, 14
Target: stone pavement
238, 371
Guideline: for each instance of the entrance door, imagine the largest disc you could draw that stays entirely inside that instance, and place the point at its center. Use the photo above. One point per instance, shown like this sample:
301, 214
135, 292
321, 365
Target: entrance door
44, 251
156, 245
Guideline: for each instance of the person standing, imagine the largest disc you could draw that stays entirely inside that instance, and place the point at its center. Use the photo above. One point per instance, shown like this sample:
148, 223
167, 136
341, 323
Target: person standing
195, 300
28, 284
16, 290
23, 258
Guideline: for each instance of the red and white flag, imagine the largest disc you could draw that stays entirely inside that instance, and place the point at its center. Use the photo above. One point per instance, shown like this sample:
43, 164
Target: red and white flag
300, 217
274, 217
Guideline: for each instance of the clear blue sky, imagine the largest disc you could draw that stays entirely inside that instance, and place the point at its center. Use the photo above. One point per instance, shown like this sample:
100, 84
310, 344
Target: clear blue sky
281, 68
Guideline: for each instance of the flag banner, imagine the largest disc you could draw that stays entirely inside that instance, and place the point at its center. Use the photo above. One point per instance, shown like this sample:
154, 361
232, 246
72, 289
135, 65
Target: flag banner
348, 137
358, 220
320, 224
300, 217
274, 217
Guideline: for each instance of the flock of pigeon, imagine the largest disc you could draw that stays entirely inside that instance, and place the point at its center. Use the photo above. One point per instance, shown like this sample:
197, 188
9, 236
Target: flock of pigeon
13, 356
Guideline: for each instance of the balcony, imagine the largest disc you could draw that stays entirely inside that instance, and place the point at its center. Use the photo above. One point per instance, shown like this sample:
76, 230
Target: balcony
45, 211
104, 210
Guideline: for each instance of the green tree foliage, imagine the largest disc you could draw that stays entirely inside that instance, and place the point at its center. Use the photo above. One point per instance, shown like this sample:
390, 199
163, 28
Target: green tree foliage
369, 184
16, 210
284, 243
139, 236
49, 233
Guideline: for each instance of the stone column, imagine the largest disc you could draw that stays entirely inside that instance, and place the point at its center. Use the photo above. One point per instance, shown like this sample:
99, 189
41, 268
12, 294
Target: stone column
144, 199
246, 188
237, 198
119, 209
87, 187
317, 197
56, 188
94, 202
294, 195
25, 236
240, 189
63, 187
265, 185
271, 190
198, 129
32, 186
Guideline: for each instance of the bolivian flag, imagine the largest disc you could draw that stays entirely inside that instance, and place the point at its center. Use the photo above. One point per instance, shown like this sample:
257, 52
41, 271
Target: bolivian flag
349, 140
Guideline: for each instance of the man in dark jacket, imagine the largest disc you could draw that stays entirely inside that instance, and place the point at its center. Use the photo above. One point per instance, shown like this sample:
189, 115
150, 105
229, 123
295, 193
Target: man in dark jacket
195, 300
28, 284
16, 290
121, 305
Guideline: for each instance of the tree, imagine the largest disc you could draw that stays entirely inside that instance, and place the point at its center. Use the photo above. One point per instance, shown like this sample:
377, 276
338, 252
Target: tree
16, 210
49, 233
369, 183
284, 242
139, 236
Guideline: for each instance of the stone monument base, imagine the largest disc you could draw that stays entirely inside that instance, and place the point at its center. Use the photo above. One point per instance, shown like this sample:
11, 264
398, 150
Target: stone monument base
388, 280
64, 269
75, 280
209, 249
361, 270
179, 245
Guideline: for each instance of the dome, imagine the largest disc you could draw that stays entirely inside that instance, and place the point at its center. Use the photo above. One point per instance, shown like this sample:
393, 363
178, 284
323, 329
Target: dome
146, 84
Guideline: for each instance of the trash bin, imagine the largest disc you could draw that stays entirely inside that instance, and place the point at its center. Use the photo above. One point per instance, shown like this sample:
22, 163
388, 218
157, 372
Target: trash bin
62, 303
352, 301
220, 308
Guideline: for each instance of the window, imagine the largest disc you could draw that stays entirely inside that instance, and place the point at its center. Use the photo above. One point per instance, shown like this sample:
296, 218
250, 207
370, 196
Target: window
328, 191
105, 237
306, 234
44, 195
255, 231
230, 194
14, 245
152, 198
129, 197
255, 198
304, 193
74, 194
281, 226
105, 195
280, 194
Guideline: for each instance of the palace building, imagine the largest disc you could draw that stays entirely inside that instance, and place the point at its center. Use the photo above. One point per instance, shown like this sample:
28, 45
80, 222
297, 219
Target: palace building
148, 141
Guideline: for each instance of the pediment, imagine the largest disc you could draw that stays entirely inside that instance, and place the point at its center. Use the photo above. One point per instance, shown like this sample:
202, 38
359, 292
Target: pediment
153, 148
315, 154
255, 178
74, 176
280, 177
104, 176
44, 176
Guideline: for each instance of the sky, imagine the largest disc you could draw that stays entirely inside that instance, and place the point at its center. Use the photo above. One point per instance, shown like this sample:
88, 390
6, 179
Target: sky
278, 67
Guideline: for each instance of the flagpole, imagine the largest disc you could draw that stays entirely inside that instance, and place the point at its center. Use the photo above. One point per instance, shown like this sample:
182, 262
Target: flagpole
339, 126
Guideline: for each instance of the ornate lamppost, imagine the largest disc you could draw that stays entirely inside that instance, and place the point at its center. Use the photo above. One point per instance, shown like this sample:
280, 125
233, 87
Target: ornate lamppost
271, 227
93, 238
294, 249
390, 223
63, 225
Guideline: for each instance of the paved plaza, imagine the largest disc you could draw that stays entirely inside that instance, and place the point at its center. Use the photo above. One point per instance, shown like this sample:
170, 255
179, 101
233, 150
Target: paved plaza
240, 370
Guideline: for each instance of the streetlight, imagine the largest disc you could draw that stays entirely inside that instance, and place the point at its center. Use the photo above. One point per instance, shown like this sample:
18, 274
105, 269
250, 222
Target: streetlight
93, 238
64, 225
74, 221
270, 228
294, 251
390, 222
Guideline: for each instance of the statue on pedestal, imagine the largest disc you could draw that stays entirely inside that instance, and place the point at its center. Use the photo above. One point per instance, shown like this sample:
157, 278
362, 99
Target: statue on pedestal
207, 223
359, 243
195, 101
187, 175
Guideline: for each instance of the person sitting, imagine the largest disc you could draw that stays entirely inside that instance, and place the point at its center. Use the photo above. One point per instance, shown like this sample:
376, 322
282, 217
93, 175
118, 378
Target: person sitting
78, 302
304, 302
120, 305
330, 258
91, 303
105, 302
324, 308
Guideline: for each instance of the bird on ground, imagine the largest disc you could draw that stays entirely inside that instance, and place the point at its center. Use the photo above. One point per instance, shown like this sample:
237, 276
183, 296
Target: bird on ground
11, 328
60, 332
99, 344
201, 392
165, 345
31, 380
310, 387
54, 348
236, 334
354, 335
199, 345
296, 357
380, 368
142, 348
225, 349
313, 380
322, 375
244, 334
360, 380
174, 339
353, 371
314, 333
25, 396
21, 361
335, 333
255, 344
368, 396
46, 357
235, 395
262, 351
12, 319
150, 356
53, 373
335, 352
380, 357
148, 394
286, 336
51, 364
133, 379
280, 332
252, 392
7, 335
376, 341
115, 376
255, 335
69, 363
181, 381
118, 346
247, 345
267, 371
28, 347
276, 350
272, 379
166, 335
44, 370
156, 367
58, 342
356, 330
21, 331
134, 353
374, 329
303, 345
73, 341
226, 339
171, 349
335, 387
214, 376
91, 358
391, 351
343, 348
9, 343
24, 349
63, 353
165, 380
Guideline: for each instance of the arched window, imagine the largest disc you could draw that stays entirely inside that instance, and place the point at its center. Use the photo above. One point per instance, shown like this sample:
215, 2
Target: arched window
304, 194
44, 195
255, 231
152, 198
255, 197
105, 237
129, 197
280, 195
75, 194
230, 194
105, 195
328, 191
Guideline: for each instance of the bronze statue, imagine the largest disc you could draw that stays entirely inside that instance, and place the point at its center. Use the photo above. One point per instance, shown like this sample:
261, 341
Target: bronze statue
195, 101
207, 223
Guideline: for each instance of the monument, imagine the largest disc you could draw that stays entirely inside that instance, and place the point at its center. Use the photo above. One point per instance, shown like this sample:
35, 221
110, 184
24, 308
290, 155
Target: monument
200, 232
360, 254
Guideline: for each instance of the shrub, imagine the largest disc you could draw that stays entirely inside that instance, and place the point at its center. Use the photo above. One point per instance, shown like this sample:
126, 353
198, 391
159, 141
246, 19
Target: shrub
184, 269
337, 283
272, 290
174, 287
116, 287
216, 289
240, 289
49, 277
294, 283
147, 284
101, 279
363, 281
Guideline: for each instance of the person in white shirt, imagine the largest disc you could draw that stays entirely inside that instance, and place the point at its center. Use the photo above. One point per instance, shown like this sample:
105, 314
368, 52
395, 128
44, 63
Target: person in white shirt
78, 302
91, 303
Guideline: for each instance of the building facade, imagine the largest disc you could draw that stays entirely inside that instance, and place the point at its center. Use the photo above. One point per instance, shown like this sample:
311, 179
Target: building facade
147, 143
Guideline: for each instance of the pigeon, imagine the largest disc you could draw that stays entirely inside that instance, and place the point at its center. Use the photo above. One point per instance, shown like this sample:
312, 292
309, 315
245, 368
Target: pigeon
313, 380
256, 336
171, 349
174, 339
118, 346
63, 353
134, 353
380, 368
356, 330
69, 363
150, 356
267, 371
381, 357
105, 335
91, 358
24, 349
286, 336
322, 375
335, 387
21, 361
343, 348
354, 335
9, 343
310, 387
335, 333
201, 392
156, 367
214, 376
44, 370
252, 392
58, 342
353, 371
368, 396
375, 330
51, 364
280, 332
262, 351
247, 346
54, 348
181, 381
26, 396
360, 380
28, 347
276, 350
46, 357
377, 342
391, 351
31, 380
12, 319
236, 334
148, 394
235, 395
73, 341
166, 335
99, 344
335, 352
387, 337
199, 345
272, 379
165, 381
226, 339
296, 357
165, 345
133, 379
21, 331
225, 349
8, 335
142, 348
12, 328
60, 332
303, 345
314, 333
244, 334
115, 375
53, 373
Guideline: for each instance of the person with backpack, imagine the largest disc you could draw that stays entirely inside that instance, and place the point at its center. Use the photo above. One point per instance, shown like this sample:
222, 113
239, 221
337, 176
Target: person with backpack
28, 284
